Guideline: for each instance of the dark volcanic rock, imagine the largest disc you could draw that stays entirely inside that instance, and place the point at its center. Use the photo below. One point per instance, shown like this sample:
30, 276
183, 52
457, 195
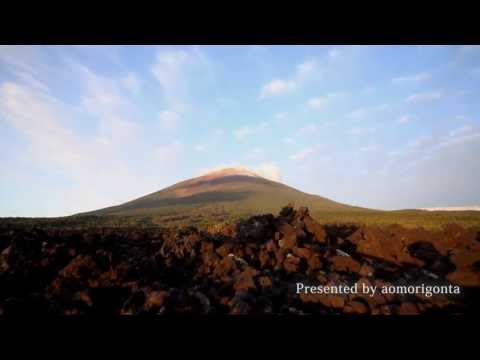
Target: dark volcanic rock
248, 268
256, 229
424, 251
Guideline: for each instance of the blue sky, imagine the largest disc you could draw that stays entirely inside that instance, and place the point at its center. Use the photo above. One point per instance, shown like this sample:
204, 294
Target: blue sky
388, 127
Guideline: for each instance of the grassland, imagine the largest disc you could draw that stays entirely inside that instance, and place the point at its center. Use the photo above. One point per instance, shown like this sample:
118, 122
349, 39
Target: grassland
206, 215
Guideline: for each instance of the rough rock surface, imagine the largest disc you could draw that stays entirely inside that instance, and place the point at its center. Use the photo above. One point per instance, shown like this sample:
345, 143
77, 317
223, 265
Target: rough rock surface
250, 268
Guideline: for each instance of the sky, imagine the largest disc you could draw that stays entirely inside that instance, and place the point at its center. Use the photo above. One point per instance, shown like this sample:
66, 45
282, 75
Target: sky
385, 127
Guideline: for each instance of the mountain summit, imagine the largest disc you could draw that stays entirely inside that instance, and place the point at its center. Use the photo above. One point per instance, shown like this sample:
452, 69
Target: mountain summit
229, 172
222, 193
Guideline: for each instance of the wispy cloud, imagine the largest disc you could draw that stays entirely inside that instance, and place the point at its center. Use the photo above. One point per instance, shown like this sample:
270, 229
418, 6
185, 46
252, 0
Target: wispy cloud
417, 78
96, 126
169, 70
359, 113
321, 102
243, 133
368, 90
269, 170
200, 147
366, 112
404, 119
361, 130
368, 148
93, 160
308, 129
175, 70
256, 153
169, 120
169, 153
131, 83
304, 153
424, 97
334, 54
277, 87
304, 71
96, 181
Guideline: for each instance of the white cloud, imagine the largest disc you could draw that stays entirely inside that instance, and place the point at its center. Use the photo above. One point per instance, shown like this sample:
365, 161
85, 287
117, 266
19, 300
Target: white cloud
465, 129
131, 83
103, 99
288, 140
462, 135
425, 97
449, 158
359, 113
21, 58
30, 80
268, 170
424, 146
170, 73
365, 112
175, 69
37, 116
381, 107
417, 78
304, 153
169, 120
277, 87
226, 102
360, 130
334, 54
218, 133
169, 153
96, 173
243, 133
307, 130
320, 102
306, 69
200, 147
210, 141
368, 90
89, 145
404, 119
256, 153
368, 148
207, 170
168, 66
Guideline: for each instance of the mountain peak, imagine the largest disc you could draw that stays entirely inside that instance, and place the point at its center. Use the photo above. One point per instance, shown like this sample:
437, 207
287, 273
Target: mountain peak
231, 171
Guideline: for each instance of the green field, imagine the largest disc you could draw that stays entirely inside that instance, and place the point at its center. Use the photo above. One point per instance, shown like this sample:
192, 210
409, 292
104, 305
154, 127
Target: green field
205, 216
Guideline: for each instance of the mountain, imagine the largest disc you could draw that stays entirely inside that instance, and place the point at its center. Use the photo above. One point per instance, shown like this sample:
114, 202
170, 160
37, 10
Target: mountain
223, 194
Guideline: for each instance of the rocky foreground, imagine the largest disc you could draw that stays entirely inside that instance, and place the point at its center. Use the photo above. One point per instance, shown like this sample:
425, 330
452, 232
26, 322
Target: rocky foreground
248, 268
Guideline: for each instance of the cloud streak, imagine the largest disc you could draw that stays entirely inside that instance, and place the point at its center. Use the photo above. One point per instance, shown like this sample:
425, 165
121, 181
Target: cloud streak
425, 97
